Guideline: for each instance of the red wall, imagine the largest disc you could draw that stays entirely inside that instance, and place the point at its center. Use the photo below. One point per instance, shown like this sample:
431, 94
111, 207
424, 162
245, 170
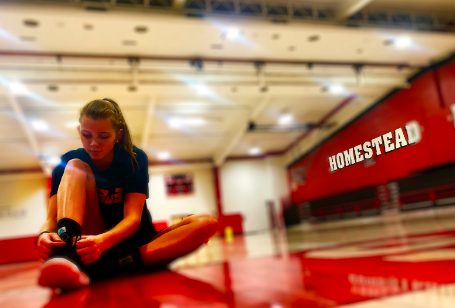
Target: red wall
426, 101
18, 250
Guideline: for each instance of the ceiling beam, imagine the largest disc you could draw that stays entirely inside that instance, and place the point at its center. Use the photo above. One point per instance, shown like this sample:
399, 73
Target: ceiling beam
207, 59
350, 7
149, 116
241, 130
21, 118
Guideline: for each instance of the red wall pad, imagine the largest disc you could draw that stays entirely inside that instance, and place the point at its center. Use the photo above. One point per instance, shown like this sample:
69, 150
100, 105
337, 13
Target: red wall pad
446, 76
235, 221
421, 102
18, 250
23, 249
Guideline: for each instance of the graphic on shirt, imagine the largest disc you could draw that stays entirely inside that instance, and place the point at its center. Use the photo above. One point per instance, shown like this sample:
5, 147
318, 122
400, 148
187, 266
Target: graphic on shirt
105, 196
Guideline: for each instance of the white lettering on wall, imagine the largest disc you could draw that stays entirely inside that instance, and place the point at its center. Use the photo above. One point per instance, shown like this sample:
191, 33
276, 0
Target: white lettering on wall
390, 142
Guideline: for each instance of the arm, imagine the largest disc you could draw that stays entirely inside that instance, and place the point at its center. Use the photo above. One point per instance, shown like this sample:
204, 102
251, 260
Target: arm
90, 248
51, 222
47, 243
134, 204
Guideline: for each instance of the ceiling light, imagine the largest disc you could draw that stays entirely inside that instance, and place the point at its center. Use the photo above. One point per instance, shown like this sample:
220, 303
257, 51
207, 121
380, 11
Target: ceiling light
193, 121
28, 38
216, 46
254, 151
232, 33
403, 42
17, 88
175, 123
40, 125
129, 43
313, 38
285, 119
163, 156
31, 23
202, 89
54, 161
52, 88
337, 89
71, 124
141, 29
132, 88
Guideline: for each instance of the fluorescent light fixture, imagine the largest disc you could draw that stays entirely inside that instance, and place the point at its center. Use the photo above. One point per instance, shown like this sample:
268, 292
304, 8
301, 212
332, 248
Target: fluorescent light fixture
163, 155
40, 125
54, 161
337, 89
285, 119
202, 89
232, 33
194, 121
17, 88
254, 151
190, 121
175, 123
403, 42
71, 124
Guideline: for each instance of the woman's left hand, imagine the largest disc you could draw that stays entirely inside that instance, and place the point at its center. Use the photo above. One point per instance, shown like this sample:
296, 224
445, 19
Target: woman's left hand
89, 249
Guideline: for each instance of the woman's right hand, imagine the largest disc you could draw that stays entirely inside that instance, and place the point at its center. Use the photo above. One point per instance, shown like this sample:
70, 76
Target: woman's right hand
48, 243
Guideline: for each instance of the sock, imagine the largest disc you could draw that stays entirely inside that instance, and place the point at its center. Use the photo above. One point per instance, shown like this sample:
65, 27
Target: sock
67, 229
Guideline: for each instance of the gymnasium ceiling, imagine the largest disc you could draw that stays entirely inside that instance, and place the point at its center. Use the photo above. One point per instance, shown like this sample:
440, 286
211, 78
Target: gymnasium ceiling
190, 87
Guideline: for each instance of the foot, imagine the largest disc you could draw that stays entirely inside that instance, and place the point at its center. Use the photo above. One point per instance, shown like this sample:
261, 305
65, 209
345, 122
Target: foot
62, 273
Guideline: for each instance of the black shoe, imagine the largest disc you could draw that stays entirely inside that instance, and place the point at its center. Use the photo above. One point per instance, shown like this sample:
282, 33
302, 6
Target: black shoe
69, 252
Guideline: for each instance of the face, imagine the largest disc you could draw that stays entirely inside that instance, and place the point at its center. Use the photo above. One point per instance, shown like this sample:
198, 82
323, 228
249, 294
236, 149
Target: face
98, 136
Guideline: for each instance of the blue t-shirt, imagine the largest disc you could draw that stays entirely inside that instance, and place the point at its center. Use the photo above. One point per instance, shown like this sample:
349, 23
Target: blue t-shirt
113, 183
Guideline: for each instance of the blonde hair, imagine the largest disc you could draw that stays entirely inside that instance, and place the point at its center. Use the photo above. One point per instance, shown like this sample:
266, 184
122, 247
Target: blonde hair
108, 108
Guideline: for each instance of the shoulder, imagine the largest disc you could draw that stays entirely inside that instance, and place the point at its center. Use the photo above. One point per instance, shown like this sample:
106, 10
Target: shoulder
126, 160
141, 156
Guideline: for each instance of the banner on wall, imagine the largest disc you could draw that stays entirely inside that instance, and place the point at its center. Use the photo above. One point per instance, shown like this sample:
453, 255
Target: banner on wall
179, 184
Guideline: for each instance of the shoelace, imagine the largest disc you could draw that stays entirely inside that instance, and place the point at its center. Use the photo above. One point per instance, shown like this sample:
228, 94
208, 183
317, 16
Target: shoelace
78, 238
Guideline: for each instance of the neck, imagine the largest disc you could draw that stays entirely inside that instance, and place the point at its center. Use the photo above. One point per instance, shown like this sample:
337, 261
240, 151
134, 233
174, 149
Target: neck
105, 162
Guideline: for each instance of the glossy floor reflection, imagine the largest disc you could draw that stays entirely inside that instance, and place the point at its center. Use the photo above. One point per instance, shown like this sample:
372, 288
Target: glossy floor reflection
397, 262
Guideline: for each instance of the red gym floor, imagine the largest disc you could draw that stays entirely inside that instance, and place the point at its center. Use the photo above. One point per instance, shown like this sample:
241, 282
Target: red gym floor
337, 274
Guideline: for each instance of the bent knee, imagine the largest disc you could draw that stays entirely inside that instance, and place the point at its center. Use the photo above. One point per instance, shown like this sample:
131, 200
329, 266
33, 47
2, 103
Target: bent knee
208, 222
76, 163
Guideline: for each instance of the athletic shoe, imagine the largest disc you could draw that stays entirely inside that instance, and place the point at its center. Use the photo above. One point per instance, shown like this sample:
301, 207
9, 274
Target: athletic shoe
60, 272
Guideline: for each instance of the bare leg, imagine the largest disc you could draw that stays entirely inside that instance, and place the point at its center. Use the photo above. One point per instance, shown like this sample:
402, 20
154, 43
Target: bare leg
77, 198
179, 239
